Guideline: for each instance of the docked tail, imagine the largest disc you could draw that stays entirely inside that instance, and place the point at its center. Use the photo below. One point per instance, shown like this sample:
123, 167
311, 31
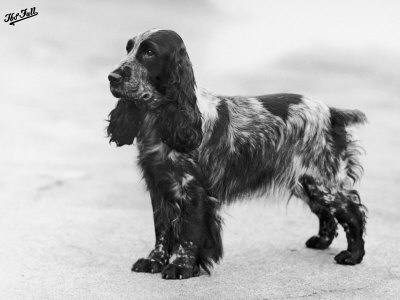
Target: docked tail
347, 117
344, 146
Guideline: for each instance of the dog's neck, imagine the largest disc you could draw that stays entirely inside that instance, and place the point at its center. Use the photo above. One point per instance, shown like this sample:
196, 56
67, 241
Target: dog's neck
148, 130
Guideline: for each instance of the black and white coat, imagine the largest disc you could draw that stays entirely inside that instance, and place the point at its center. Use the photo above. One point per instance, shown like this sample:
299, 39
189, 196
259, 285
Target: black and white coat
198, 150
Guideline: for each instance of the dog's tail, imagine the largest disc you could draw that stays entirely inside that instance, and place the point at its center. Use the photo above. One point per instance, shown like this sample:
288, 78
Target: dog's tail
345, 147
347, 117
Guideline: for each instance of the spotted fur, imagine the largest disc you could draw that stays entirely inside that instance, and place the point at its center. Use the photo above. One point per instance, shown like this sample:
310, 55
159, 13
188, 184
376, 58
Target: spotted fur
198, 150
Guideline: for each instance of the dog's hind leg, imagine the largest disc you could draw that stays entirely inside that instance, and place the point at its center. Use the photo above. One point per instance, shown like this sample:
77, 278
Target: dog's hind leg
327, 223
346, 208
327, 227
351, 214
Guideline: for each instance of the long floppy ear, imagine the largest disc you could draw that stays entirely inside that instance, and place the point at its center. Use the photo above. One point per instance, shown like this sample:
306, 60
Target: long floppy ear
124, 121
180, 118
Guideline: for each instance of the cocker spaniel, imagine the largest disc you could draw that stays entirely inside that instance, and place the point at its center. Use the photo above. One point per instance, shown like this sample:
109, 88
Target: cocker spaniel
198, 150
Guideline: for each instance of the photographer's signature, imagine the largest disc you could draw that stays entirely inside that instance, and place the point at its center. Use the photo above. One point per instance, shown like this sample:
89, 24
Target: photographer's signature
23, 15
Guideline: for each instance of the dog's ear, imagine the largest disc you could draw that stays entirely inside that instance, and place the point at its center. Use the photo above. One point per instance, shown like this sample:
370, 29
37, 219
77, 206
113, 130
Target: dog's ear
180, 119
124, 121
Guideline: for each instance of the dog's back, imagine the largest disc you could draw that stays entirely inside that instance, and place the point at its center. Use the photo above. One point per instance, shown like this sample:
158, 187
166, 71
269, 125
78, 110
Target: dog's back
266, 143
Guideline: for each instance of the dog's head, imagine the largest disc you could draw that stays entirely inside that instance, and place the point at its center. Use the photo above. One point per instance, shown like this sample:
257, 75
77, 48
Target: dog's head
157, 72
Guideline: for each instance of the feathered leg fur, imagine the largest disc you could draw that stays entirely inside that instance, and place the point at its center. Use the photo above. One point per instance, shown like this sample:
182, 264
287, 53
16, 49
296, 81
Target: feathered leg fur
160, 255
186, 219
347, 209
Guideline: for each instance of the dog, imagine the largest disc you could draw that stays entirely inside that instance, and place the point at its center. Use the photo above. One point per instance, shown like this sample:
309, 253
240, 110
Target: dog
198, 150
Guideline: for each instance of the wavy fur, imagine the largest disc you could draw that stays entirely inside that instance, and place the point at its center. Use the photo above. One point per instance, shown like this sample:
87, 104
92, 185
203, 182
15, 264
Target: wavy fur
124, 123
180, 119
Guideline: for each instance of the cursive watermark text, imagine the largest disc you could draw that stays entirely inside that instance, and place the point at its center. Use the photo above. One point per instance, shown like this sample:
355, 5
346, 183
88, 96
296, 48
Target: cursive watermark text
22, 15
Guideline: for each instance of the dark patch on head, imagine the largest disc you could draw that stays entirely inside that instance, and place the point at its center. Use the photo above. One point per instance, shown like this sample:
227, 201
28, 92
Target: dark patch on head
278, 104
168, 53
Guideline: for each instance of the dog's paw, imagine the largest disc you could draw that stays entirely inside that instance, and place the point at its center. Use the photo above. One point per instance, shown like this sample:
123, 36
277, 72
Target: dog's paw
349, 258
183, 271
147, 265
317, 242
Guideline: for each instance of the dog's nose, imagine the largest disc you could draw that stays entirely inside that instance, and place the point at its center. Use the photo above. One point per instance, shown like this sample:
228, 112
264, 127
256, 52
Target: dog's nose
114, 78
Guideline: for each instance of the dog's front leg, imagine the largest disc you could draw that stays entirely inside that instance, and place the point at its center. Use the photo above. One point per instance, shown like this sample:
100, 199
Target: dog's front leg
186, 220
195, 226
159, 256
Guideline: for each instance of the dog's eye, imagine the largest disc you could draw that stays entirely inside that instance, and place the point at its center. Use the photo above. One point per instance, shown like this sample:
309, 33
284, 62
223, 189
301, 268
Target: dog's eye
149, 53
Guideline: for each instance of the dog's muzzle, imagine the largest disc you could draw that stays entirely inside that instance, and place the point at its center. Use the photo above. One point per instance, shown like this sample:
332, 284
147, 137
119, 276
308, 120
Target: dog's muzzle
124, 84
114, 78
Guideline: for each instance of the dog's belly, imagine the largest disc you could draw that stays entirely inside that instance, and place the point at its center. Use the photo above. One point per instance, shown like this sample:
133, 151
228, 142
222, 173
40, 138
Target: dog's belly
232, 175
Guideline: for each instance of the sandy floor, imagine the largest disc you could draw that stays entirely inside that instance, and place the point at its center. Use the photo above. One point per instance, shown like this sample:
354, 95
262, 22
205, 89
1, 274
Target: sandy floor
74, 214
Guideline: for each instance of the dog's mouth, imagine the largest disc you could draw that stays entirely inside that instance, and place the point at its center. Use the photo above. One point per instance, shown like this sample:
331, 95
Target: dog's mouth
134, 94
116, 92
